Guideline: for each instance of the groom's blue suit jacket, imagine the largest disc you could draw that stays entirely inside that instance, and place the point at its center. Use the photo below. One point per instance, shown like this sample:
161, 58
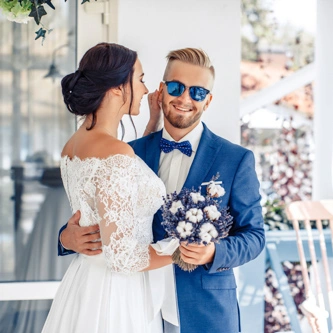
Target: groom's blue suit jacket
207, 296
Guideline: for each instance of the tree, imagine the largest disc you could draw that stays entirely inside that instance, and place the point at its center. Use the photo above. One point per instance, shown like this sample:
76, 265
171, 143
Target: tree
258, 27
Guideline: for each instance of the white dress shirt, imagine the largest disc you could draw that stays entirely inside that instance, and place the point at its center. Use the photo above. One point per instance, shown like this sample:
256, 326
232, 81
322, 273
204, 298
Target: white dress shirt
175, 166
173, 170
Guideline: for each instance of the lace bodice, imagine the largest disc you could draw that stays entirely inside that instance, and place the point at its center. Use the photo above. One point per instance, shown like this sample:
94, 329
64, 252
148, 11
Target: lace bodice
121, 194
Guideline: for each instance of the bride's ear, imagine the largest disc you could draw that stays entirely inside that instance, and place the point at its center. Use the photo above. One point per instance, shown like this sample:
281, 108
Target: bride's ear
118, 91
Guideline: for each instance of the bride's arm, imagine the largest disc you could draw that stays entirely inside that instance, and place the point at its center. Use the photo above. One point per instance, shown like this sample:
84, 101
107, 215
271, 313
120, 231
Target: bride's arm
125, 247
157, 261
155, 122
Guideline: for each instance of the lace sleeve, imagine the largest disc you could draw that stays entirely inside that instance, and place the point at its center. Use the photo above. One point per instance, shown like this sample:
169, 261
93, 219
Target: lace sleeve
116, 202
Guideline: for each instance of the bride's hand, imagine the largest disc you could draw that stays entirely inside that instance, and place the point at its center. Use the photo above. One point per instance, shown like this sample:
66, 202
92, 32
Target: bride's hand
155, 122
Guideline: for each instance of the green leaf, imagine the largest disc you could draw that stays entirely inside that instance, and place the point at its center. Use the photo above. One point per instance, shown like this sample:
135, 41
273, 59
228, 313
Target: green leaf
16, 8
37, 13
40, 33
50, 3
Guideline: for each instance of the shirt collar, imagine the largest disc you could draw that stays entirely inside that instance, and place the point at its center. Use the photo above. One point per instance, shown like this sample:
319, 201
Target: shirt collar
194, 136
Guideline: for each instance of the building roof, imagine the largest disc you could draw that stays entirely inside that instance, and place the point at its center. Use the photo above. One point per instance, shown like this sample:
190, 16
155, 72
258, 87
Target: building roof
270, 69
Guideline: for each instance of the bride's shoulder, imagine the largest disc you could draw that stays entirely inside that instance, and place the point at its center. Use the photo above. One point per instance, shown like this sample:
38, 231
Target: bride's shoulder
114, 147
109, 146
102, 147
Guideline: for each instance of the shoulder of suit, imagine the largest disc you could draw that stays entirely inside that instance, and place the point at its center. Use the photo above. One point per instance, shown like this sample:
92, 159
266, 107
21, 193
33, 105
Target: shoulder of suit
227, 145
143, 139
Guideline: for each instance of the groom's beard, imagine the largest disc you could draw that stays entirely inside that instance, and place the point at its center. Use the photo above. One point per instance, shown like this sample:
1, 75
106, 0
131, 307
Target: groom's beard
181, 121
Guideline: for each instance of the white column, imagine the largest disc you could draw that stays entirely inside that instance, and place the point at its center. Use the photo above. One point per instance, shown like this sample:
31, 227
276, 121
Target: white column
93, 19
153, 28
323, 93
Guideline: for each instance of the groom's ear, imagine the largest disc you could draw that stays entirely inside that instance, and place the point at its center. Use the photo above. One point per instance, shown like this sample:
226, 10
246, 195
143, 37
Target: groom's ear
160, 91
209, 99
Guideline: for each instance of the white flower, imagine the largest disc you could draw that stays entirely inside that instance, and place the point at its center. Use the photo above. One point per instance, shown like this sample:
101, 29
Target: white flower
184, 229
289, 172
16, 10
215, 190
293, 189
194, 215
212, 212
277, 217
19, 18
175, 206
291, 159
282, 168
207, 232
307, 181
196, 197
284, 180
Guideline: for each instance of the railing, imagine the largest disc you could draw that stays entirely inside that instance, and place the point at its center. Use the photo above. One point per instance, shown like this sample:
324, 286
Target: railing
17, 291
282, 246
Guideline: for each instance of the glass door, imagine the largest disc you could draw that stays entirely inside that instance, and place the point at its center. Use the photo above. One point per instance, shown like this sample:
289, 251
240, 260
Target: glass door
34, 125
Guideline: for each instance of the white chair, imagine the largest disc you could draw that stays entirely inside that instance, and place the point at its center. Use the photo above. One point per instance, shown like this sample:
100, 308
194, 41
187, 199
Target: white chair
314, 307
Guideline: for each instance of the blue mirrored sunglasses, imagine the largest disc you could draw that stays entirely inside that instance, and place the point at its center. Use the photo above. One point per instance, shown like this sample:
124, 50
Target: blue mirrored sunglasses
176, 88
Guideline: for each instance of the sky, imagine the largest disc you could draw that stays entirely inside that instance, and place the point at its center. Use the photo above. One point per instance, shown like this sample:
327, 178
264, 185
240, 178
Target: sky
299, 13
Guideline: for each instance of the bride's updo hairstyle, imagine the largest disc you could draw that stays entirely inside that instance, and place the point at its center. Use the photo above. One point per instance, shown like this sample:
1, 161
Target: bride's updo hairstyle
103, 67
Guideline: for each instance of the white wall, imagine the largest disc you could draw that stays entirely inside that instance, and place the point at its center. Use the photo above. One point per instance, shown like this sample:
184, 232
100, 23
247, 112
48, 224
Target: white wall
154, 27
323, 116
90, 29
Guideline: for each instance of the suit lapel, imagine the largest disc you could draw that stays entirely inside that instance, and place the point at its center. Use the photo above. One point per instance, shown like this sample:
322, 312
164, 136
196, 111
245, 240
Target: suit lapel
153, 151
152, 159
204, 159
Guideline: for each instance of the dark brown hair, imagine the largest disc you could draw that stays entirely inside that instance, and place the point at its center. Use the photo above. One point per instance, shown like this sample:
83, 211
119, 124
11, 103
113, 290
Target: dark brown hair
104, 66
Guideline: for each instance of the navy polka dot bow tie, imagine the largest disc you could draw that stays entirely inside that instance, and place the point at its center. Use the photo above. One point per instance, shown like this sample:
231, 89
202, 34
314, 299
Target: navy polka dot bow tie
168, 146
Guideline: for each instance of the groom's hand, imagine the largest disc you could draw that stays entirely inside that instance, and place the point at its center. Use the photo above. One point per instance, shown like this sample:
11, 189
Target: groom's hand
197, 254
84, 240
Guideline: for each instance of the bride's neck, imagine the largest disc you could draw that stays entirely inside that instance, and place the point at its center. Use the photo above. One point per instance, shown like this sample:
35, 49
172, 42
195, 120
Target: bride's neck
105, 122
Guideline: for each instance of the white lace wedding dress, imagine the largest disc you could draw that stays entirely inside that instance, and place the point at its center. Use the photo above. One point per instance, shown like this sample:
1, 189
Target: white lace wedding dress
108, 293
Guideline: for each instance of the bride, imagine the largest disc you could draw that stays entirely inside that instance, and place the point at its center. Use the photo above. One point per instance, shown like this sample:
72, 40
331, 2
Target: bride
114, 188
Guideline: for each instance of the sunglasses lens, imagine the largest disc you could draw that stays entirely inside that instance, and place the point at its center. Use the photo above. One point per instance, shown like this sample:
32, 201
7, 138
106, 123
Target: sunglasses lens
198, 93
175, 88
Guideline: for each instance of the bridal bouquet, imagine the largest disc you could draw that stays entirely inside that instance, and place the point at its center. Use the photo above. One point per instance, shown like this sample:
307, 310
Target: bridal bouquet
193, 218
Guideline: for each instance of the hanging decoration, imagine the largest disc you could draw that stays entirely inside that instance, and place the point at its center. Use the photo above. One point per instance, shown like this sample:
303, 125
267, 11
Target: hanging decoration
23, 11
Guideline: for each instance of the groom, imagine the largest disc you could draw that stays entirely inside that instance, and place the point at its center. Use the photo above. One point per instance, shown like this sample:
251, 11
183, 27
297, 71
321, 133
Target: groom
207, 296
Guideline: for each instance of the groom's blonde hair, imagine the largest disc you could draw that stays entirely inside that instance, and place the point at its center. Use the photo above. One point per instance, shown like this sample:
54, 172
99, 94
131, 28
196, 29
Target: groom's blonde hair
191, 56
